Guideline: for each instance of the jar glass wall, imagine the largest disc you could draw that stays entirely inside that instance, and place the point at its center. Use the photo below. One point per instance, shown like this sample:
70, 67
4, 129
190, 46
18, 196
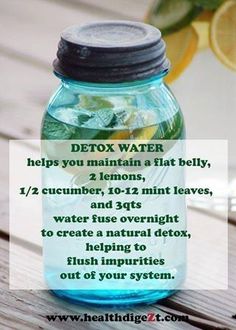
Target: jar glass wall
139, 110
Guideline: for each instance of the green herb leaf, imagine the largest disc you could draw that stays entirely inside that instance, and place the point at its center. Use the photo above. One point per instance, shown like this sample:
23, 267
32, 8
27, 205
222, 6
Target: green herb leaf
102, 118
83, 118
54, 130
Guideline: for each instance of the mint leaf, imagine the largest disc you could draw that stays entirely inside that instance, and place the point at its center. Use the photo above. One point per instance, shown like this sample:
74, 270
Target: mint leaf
55, 130
83, 118
102, 118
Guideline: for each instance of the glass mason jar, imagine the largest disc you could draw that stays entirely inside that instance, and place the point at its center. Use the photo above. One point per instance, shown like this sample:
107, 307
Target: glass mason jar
112, 87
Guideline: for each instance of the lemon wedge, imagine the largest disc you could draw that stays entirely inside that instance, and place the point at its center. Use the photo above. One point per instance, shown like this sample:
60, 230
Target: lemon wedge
181, 48
223, 34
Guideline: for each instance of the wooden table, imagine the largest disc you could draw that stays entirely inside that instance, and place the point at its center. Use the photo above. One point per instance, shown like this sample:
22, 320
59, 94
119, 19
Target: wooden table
29, 35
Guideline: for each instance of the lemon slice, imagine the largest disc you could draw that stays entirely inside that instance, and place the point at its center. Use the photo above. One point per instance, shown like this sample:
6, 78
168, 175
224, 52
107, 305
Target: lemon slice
181, 48
146, 133
223, 34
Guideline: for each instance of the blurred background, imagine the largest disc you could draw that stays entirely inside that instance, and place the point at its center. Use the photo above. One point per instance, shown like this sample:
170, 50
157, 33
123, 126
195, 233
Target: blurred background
201, 44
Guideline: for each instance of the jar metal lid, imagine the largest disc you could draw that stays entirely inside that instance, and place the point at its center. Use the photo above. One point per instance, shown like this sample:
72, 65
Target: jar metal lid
111, 51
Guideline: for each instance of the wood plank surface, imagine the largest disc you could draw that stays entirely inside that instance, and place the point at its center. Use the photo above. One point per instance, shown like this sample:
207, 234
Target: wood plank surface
24, 97
33, 30
207, 304
203, 319
27, 309
24, 35
27, 49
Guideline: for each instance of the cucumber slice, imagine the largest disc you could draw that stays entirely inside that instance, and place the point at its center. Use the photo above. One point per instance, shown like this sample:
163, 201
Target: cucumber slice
172, 15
